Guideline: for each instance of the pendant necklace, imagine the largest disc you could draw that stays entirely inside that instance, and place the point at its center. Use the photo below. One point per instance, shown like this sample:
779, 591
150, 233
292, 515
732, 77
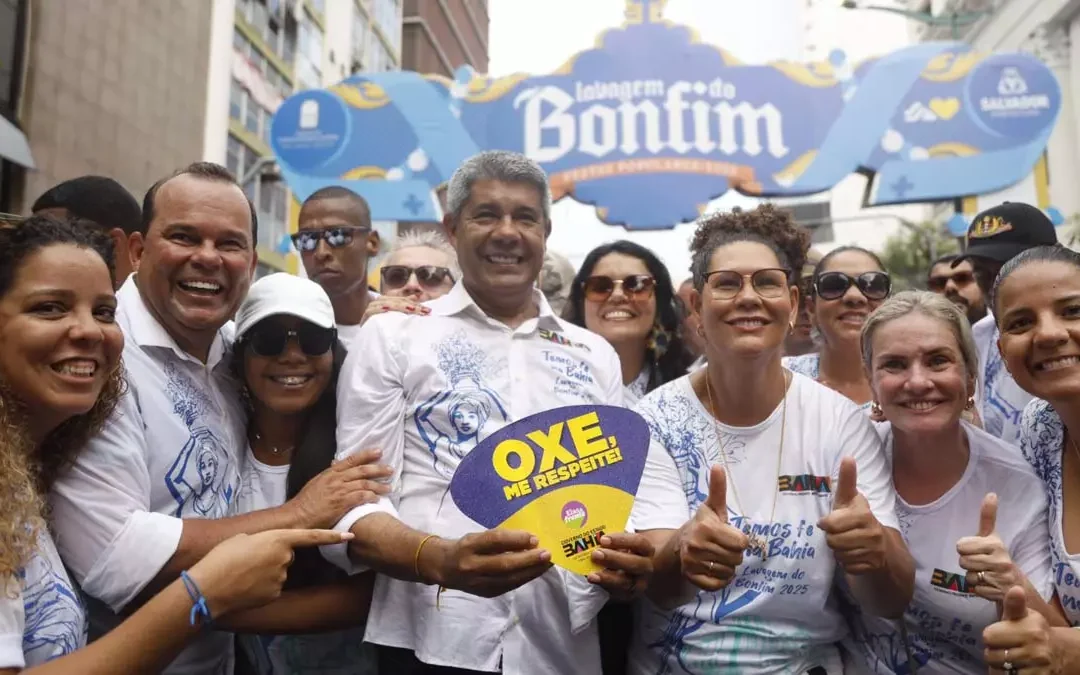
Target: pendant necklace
756, 540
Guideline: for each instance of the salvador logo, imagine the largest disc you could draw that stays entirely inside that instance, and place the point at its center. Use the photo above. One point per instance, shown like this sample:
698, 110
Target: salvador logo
652, 124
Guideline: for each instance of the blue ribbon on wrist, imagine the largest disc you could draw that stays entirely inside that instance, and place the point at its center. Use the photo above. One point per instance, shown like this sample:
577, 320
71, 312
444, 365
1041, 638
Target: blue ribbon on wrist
199, 606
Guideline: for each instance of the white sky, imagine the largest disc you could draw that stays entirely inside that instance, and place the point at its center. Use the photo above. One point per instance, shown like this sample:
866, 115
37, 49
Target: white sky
537, 36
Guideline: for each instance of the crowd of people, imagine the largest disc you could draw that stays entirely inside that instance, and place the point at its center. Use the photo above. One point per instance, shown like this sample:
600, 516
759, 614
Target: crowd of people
202, 474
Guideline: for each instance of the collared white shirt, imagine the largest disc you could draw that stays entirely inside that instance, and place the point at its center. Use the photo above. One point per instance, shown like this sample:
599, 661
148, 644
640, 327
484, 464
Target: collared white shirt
170, 451
426, 390
999, 399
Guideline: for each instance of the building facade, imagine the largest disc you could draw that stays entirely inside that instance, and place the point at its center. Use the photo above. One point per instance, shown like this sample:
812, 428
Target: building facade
440, 36
133, 89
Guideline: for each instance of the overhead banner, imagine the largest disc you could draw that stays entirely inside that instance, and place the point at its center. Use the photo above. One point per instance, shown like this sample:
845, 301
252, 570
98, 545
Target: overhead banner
568, 476
652, 124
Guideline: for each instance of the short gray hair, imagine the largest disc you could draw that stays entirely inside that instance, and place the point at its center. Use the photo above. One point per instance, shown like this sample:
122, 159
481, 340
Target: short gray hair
500, 165
427, 239
928, 304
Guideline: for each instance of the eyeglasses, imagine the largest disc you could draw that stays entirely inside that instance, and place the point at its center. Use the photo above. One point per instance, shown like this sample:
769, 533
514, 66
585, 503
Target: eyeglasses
635, 286
269, 338
769, 283
960, 279
307, 241
833, 285
429, 276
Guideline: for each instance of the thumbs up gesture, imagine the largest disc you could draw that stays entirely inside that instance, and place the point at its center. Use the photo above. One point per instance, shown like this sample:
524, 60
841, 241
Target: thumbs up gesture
1021, 641
710, 548
990, 569
855, 536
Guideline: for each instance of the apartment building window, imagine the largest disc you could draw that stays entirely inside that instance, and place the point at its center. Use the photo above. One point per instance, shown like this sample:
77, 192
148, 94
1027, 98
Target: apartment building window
275, 26
320, 6
236, 100
309, 56
359, 36
235, 156
388, 17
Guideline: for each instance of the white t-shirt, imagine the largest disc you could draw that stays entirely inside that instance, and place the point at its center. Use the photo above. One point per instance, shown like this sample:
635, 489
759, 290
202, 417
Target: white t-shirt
944, 621
347, 334
777, 615
45, 619
1042, 442
999, 398
341, 652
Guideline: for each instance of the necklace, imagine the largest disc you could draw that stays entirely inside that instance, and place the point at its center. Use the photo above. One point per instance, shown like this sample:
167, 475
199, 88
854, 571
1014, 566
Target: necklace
274, 450
756, 540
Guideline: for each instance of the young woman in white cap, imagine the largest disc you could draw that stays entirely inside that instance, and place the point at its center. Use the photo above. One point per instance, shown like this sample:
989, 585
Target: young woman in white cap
60, 377
287, 356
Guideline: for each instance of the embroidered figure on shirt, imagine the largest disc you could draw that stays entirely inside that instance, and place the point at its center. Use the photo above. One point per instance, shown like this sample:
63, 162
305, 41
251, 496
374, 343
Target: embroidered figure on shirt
197, 478
997, 410
454, 419
54, 615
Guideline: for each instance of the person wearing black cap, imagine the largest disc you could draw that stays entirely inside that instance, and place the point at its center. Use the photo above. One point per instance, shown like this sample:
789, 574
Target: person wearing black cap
995, 237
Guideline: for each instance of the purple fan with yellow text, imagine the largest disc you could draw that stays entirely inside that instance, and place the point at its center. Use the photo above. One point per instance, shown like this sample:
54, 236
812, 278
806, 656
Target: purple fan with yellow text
567, 475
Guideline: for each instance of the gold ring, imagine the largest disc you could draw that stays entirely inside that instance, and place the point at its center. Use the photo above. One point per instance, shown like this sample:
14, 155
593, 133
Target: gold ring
711, 566
981, 577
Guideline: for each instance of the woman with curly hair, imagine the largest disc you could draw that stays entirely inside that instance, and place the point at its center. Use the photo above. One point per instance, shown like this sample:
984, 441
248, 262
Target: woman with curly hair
787, 489
60, 378
848, 284
624, 294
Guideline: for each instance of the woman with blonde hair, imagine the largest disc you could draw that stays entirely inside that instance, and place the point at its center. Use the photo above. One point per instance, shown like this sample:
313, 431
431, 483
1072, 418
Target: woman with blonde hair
969, 507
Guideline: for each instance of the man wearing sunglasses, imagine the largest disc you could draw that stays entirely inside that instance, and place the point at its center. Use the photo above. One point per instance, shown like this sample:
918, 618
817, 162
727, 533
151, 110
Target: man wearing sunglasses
995, 237
335, 241
421, 266
956, 281
426, 390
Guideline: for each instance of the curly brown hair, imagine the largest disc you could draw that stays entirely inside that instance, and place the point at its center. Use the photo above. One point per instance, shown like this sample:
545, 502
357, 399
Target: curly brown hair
765, 224
27, 472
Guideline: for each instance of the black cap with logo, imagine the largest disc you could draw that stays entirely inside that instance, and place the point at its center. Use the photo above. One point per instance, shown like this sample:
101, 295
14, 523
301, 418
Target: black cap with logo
1004, 231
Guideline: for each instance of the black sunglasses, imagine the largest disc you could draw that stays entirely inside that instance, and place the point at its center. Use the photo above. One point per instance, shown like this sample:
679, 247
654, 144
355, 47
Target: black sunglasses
335, 237
636, 286
833, 285
429, 276
269, 338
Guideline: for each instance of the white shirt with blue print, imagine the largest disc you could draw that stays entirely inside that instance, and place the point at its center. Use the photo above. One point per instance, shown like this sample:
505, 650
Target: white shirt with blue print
43, 619
777, 616
1042, 440
945, 619
426, 390
998, 397
170, 451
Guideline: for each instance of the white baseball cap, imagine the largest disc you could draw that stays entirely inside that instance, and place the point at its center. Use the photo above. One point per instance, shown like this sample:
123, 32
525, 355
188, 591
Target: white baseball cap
284, 294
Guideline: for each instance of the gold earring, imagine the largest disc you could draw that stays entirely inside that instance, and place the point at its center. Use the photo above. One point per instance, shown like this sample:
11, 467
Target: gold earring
970, 403
875, 408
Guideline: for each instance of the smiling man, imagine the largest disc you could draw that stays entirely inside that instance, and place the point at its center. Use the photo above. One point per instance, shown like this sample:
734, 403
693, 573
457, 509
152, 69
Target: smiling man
335, 241
153, 492
427, 389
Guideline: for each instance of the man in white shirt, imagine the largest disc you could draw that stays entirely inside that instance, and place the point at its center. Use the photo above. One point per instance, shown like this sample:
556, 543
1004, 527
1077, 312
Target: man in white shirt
994, 238
431, 387
153, 492
335, 241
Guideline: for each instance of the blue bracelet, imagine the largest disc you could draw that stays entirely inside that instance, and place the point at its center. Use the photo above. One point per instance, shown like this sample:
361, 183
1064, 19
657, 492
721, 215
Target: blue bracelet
199, 607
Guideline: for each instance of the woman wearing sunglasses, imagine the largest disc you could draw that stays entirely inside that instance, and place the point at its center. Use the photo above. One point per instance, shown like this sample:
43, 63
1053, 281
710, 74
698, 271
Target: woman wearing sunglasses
785, 481
60, 378
848, 283
287, 356
624, 294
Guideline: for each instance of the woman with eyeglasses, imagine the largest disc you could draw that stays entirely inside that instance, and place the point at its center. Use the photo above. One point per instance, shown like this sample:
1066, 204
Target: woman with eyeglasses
970, 508
624, 294
60, 379
848, 283
785, 481
287, 357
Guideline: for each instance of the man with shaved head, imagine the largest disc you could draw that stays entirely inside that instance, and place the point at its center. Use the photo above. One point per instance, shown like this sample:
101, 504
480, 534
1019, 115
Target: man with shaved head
335, 241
